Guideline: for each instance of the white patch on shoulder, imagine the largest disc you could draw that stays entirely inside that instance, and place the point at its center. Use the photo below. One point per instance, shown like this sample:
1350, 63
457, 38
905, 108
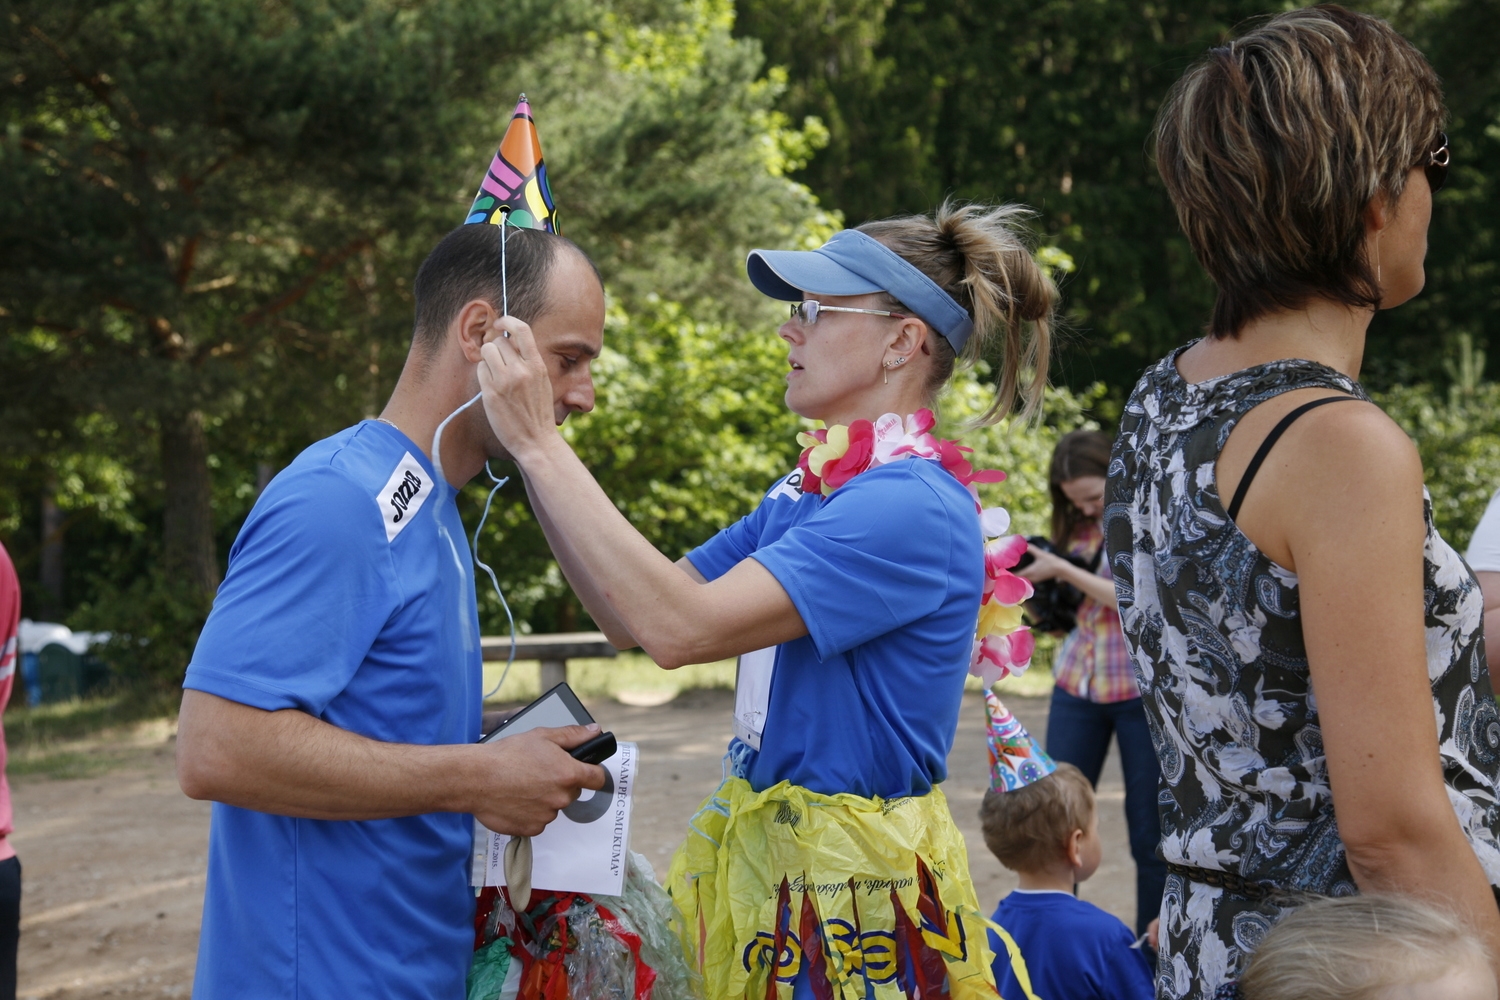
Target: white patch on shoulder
790, 487
403, 495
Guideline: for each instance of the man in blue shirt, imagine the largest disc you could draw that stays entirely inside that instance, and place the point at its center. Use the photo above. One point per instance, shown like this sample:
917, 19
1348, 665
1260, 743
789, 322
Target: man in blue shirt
333, 700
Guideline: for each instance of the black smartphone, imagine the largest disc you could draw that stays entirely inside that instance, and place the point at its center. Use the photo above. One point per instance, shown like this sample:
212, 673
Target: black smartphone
597, 750
558, 707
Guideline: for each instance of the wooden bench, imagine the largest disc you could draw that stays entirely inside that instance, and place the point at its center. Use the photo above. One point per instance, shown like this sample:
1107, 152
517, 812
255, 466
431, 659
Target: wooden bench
553, 651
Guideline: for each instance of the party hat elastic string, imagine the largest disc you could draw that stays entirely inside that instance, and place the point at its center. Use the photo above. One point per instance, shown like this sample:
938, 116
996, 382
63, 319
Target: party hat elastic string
511, 658
437, 464
513, 192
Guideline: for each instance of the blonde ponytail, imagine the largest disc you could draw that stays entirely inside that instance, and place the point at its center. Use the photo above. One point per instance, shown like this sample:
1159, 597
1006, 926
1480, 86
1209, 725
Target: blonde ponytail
979, 255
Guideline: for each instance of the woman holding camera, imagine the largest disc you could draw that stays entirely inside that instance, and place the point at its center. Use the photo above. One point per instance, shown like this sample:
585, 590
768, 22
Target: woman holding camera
1095, 694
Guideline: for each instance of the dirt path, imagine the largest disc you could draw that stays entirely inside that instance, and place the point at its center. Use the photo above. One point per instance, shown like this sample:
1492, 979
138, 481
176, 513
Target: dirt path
113, 866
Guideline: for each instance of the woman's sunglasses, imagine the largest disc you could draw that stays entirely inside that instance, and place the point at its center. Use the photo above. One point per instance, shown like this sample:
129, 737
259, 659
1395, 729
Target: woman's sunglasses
1436, 166
806, 312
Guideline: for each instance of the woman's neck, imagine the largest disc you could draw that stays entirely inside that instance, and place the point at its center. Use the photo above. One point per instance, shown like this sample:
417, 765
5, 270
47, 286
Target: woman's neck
873, 407
1329, 333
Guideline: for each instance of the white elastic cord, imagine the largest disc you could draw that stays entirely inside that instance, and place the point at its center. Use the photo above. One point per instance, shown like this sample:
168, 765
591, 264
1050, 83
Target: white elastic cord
494, 582
437, 465
437, 436
504, 278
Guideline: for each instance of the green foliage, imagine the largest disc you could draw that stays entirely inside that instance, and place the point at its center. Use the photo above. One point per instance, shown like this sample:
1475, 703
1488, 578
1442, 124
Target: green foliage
154, 621
1051, 103
668, 156
218, 208
1410, 344
1458, 437
1023, 451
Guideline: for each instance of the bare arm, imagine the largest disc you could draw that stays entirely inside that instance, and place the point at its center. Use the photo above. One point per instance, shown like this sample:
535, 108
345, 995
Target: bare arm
1341, 505
578, 578
1050, 567
292, 764
604, 616
1489, 585
676, 618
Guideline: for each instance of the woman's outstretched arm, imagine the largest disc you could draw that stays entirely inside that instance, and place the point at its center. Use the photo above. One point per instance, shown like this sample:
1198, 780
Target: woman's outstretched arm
1340, 503
675, 618
578, 578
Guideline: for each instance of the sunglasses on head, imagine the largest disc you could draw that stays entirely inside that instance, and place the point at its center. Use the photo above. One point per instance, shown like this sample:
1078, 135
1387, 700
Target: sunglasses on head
1436, 166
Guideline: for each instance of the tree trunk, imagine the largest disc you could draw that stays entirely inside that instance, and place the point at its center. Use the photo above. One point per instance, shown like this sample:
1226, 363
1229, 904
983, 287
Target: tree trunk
52, 553
188, 521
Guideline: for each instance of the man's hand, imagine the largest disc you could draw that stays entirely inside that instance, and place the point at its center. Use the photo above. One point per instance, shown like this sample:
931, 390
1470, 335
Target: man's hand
292, 764
529, 778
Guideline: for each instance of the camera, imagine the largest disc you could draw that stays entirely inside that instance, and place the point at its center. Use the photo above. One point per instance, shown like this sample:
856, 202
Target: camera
1054, 605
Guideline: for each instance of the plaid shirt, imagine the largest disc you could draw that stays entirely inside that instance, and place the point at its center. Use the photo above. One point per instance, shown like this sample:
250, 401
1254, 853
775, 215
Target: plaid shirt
1093, 662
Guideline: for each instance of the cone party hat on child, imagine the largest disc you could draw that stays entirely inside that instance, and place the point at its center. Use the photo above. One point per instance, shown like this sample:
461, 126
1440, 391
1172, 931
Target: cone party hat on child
1016, 759
514, 190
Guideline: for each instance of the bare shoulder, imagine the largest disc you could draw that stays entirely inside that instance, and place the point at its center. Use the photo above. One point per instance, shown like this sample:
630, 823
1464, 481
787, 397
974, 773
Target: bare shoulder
1361, 479
1340, 473
1357, 443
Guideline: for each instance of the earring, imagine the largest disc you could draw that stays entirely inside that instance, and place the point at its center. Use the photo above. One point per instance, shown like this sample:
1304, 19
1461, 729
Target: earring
885, 376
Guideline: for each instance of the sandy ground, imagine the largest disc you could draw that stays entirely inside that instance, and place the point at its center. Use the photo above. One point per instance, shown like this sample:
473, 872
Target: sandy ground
113, 866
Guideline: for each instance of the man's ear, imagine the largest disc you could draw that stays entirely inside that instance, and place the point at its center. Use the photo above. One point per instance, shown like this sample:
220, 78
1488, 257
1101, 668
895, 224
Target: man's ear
471, 323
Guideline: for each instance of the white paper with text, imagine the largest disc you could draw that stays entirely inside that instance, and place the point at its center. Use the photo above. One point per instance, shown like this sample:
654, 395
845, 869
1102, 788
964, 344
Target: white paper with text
584, 849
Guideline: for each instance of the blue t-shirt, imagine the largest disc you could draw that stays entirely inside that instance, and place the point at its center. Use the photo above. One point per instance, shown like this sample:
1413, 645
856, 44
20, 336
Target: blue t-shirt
349, 597
887, 574
1073, 950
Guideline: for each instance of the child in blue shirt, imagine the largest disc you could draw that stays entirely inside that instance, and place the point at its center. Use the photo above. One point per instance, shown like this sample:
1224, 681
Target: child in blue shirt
1039, 819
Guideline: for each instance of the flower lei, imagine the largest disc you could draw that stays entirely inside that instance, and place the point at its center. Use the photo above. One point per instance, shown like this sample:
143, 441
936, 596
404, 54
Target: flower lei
1003, 644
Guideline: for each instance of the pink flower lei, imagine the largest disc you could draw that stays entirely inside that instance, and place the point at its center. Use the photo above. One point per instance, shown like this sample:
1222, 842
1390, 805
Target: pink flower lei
1003, 643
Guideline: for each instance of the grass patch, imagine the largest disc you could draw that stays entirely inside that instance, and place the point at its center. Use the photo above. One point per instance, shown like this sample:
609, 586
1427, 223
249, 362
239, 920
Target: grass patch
1035, 683
61, 765
635, 673
87, 737
630, 672
45, 726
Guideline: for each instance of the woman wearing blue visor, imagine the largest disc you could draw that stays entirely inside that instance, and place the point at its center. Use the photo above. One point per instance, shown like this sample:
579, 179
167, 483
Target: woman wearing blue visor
828, 858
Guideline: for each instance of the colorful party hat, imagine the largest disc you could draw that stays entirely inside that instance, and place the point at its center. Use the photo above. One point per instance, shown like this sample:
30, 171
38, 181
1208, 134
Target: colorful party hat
1016, 759
514, 190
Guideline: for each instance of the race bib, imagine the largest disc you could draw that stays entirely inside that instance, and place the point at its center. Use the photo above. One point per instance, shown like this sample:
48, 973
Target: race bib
752, 694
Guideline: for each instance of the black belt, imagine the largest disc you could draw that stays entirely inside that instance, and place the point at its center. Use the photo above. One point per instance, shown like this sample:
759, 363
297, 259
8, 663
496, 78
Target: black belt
1243, 887
1234, 884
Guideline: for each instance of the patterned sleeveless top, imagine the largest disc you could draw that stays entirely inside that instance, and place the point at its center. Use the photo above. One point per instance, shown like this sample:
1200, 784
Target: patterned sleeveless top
1215, 632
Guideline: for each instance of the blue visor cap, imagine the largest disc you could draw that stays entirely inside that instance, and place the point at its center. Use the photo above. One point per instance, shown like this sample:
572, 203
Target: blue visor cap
855, 264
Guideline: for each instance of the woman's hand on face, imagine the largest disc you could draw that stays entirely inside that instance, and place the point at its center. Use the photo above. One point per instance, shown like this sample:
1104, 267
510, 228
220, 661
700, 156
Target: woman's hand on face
1045, 567
517, 389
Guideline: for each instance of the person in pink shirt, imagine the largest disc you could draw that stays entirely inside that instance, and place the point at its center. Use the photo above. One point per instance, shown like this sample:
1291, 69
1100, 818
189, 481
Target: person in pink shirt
10, 865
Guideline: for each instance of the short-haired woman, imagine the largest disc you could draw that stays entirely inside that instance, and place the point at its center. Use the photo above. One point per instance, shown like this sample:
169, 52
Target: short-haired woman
828, 858
1308, 647
1096, 696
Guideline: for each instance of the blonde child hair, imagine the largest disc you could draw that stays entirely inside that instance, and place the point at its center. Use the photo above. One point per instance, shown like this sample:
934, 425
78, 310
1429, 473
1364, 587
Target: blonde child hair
1366, 948
1026, 828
